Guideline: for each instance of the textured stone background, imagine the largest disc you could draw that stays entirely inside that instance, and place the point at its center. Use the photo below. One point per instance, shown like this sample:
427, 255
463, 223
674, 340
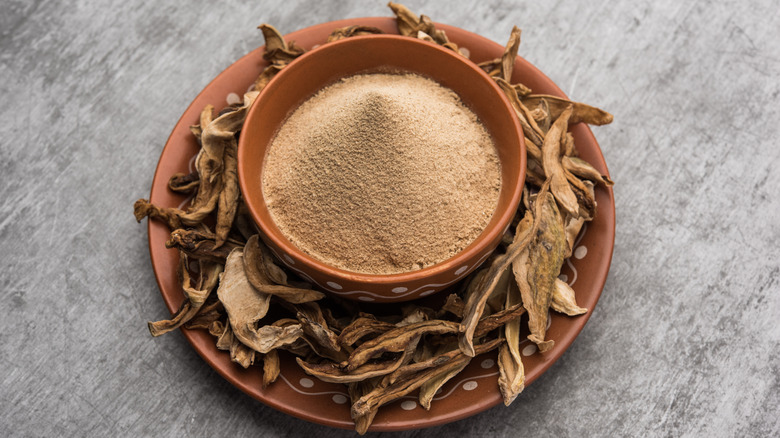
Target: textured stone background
685, 340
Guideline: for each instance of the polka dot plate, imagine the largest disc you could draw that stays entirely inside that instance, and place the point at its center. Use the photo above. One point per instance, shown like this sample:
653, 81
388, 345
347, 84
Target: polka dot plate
300, 395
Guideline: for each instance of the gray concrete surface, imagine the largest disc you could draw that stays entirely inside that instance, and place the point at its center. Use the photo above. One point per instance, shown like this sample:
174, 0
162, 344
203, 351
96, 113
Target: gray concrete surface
684, 342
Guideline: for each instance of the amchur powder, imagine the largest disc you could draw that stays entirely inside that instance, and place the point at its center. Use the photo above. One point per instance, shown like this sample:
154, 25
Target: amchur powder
382, 174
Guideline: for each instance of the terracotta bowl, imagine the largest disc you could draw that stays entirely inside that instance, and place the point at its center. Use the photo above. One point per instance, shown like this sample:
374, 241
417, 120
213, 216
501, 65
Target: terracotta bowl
326, 65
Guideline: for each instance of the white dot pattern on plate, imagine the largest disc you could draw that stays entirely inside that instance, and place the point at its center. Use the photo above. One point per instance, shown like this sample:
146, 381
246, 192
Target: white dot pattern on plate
334, 285
233, 98
288, 259
529, 350
461, 270
399, 290
339, 399
408, 405
580, 252
564, 278
306, 383
470, 385
427, 292
365, 299
487, 363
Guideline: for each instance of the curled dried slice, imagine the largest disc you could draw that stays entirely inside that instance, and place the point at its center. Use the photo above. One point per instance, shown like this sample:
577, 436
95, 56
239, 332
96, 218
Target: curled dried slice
271, 367
356, 391
206, 116
228, 196
573, 227
224, 337
195, 297
321, 338
586, 196
551, 160
210, 163
583, 169
241, 354
245, 306
534, 151
510, 54
530, 128
406, 20
200, 245
412, 378
413, 314
143, 208
511, 373
564, 300
277, 50
350, 31
218, 135
265, 76
454, 305
268, 278
184, 183
581, 112
336, 373
536, 274
409, 24
437, 360
429, 389
362, 327
476, 301
499, 319
385, 394
397, 340
206, 316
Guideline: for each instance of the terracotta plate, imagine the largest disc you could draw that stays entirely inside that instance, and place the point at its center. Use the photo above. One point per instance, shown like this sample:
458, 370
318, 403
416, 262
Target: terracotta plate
298, 394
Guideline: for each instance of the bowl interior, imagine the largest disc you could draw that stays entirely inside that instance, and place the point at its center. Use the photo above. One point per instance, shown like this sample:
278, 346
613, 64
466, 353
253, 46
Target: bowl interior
321, 67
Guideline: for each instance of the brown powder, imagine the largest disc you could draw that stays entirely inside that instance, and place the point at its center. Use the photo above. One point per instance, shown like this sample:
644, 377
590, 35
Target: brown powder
382, 174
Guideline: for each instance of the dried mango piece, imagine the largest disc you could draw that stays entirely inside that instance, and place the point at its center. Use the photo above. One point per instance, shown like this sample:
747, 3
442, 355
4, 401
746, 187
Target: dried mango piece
320, 337
564, 300
412, 377
336, 373
536, 277
580, 111
184, 183
194, 297
362, 327
206, 316
200, 245
356, 391
476, 301
551, 160
511, 378
267, 277
429, 389
396, 340
277, 50
409, 24
228, 196
271, 367
351, 31
530, 128
245, 306
583, 169
510, 54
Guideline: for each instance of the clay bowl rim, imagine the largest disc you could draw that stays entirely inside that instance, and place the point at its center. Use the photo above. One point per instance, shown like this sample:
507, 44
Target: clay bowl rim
482, 243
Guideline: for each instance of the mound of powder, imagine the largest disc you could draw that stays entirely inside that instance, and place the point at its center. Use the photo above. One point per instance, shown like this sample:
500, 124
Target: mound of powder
382, 174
